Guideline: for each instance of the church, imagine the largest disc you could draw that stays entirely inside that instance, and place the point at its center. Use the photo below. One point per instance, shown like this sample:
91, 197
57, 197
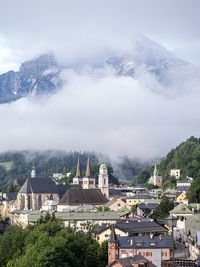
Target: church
88, 182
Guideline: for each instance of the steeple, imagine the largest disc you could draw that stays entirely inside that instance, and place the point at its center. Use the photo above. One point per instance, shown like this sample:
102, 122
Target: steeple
113, 236
88, 168
155, 172
78, 169
33, 172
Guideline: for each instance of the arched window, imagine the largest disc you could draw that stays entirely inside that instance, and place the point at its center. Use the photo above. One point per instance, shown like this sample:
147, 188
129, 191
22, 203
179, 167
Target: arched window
51, 197
29, 202
22, 204
39, 202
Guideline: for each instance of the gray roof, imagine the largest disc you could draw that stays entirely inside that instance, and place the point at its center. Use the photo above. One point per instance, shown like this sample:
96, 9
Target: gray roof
140, 196
144, 242
144, 206
133, 227
185, 180
182, 188
39, 186
83, 196
34, 216
11, 196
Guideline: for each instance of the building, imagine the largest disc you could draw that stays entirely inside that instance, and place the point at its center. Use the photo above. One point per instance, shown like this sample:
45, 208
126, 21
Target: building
175, 173
181, 210
86, 182
81, 221
181, 197
184, 182
135, 261
129, 228
155, 180
75, 198
154, 248
145, 210
103, 181
117, 204
136, 199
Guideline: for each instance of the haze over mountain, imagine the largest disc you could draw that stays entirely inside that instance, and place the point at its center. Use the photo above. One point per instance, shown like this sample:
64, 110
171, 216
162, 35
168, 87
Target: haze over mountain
148, 61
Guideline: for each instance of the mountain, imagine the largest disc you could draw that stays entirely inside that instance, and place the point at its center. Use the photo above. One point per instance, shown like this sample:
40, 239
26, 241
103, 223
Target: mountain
40, 75
148, 61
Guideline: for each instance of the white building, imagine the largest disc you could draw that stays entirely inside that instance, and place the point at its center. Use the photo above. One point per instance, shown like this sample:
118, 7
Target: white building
155, 180
175, 173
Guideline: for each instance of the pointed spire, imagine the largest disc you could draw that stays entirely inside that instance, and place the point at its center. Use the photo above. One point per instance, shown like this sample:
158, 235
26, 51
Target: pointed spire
113, 236
78, 168
88, 168
155, 172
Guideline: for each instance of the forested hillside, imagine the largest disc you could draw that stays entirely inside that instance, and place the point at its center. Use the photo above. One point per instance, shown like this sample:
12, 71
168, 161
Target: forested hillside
19, 164
185, 157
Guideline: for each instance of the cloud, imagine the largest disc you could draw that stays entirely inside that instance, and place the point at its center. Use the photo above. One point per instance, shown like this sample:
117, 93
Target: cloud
104, 113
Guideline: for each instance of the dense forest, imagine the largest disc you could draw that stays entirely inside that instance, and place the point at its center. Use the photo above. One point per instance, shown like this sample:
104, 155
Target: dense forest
49, 243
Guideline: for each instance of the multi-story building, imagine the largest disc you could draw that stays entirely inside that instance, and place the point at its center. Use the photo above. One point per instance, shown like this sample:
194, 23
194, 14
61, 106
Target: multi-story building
154, 248
175, 173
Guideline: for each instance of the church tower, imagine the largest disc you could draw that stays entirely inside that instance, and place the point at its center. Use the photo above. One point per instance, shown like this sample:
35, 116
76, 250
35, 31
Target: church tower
33, 172
103, 180
155, 175
112, 247
78, 169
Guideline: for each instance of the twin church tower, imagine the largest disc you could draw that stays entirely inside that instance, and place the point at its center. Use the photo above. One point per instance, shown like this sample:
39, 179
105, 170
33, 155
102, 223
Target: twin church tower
88, 182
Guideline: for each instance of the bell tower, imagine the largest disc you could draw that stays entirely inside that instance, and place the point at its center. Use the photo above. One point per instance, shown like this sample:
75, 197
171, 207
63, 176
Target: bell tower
103, 180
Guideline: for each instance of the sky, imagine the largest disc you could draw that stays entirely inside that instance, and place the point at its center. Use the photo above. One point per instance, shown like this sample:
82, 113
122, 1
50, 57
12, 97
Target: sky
107, 114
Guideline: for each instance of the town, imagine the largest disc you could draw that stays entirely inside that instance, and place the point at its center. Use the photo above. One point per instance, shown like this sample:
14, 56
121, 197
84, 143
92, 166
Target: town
124, 216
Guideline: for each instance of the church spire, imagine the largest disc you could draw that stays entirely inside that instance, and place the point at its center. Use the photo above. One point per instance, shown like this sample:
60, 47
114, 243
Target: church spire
88, 168
78, 168
155, 172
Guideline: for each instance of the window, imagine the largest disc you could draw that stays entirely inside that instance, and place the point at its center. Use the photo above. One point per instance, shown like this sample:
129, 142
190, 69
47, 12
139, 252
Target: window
51, 197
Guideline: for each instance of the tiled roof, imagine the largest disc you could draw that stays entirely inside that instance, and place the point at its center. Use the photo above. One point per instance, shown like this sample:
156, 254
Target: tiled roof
144, 206
83, 196
136, 227
40, 186
182, 188
140, 196
144, 242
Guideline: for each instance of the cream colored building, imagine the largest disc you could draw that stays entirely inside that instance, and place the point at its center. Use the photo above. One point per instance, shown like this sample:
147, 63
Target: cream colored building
175, 173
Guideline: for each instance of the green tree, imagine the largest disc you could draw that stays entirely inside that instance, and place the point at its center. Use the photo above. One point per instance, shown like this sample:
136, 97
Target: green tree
163, 209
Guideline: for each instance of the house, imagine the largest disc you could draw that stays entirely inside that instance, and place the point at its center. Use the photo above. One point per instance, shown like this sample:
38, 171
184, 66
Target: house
154, 248
181, 210
117, 204
181, 197
129, 228
75, 198
184, 182
140, 198
136, 261
175, 173
7, 203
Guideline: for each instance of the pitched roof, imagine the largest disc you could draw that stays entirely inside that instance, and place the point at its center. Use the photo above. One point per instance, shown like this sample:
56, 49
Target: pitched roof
11, 196
182, 188
134, 227
83, 196
78, 169
181, 209
144, 242
113, 237
39, 186
88, 168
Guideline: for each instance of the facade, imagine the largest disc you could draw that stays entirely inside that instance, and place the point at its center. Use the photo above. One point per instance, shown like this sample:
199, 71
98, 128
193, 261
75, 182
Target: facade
154, 248
184, 182
86, 182
175, 173
35, 192
182, 198
156, 180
